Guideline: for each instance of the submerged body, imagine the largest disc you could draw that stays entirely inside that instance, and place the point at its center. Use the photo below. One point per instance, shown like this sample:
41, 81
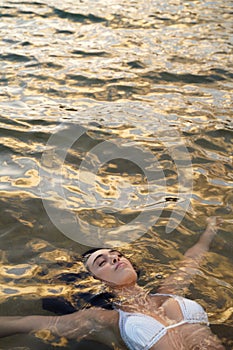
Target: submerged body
153, 322
173, 323
140, 321
141, 331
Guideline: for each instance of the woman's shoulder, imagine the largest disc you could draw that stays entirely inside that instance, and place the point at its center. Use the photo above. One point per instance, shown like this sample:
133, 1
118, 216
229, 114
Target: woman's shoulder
96, 314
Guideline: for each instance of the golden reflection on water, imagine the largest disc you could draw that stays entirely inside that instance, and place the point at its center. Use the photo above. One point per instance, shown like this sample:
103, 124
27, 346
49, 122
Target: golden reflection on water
128, 71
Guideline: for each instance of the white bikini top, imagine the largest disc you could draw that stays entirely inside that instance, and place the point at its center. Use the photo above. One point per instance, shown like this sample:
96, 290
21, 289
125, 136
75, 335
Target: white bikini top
141, 332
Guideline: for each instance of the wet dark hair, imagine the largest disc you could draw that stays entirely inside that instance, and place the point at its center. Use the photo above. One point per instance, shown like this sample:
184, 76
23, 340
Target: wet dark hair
80, 300
88, 253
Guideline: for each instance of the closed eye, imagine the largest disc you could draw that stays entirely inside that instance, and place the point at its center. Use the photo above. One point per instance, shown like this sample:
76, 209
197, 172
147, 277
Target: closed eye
101, 263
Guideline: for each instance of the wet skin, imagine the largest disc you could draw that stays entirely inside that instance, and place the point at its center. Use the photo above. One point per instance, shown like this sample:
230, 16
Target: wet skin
112, 267
118, 274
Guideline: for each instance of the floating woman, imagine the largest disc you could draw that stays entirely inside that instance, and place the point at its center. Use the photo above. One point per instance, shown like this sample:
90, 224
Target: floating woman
139, 320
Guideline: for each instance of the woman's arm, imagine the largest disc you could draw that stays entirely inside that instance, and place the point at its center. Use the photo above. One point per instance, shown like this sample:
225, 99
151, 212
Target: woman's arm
11, 325
180, 280
90, 323
199, 249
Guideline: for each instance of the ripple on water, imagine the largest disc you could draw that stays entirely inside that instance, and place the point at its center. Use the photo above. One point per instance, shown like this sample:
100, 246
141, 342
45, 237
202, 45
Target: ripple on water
155, 74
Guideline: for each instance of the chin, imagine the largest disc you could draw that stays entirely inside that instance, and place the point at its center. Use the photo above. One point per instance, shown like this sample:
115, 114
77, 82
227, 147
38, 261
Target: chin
128, 280
128, 284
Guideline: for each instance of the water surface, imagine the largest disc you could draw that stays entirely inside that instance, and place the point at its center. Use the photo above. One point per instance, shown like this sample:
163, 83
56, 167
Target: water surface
156, 77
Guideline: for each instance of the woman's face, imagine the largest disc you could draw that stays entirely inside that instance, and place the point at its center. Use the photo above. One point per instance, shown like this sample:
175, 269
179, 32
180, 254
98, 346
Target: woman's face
111, 267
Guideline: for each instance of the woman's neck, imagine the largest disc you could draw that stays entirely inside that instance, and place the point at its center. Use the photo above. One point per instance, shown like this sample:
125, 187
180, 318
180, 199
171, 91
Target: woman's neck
129, 291
130, 297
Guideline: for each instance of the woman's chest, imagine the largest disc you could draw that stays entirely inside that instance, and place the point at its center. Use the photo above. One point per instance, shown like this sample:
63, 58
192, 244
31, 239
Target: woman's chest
163, 309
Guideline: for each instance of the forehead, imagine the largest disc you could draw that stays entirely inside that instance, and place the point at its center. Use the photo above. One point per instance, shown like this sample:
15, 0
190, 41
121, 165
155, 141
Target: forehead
94, 255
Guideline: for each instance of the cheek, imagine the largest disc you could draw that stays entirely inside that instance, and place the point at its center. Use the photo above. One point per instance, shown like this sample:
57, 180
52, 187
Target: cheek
103, 273
108, 274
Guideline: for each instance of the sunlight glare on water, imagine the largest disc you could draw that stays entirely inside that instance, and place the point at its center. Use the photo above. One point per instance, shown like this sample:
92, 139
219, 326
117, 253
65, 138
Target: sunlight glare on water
153, 79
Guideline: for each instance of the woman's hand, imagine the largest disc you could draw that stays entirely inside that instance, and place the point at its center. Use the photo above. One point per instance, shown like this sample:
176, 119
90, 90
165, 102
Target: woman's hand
213, 222
94, 324
180, 280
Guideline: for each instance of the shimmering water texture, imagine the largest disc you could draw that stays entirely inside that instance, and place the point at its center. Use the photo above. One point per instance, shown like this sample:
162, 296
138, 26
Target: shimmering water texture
141, 92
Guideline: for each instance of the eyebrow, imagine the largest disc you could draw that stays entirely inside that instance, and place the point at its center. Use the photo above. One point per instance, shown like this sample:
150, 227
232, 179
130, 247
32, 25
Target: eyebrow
98, 256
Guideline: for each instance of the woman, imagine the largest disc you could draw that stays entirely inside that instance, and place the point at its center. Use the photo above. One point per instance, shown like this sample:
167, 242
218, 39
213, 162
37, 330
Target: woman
139, 320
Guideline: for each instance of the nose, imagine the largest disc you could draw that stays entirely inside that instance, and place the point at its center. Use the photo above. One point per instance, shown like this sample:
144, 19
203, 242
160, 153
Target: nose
114, 259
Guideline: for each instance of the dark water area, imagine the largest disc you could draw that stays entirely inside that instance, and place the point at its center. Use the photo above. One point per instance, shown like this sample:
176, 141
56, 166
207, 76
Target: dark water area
111, 109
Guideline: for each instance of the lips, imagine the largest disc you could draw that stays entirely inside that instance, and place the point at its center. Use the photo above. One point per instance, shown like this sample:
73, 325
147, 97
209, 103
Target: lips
120, 264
